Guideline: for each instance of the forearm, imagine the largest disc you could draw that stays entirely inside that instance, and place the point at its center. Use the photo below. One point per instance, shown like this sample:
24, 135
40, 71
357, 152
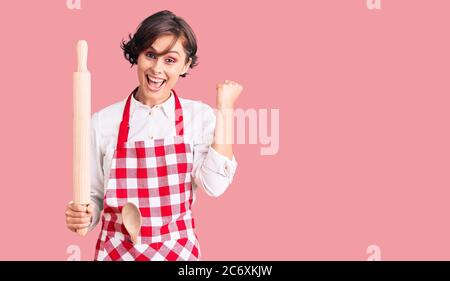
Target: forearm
227, 94
223, 132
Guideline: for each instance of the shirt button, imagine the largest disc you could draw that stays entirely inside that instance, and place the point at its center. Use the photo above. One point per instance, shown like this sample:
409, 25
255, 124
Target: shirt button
150, 113
151, 137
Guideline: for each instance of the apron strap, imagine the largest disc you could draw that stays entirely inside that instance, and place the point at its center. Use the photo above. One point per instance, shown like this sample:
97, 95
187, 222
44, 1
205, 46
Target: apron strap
125, 123
178, 116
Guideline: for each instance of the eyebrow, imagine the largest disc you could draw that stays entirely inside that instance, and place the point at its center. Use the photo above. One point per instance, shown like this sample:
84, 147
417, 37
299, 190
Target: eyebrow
151, 48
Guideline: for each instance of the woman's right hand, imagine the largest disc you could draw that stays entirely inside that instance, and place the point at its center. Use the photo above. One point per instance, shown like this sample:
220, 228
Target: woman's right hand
78, 216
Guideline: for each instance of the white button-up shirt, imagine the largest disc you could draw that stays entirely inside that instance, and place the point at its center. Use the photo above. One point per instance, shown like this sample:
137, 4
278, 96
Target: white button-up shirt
211, 170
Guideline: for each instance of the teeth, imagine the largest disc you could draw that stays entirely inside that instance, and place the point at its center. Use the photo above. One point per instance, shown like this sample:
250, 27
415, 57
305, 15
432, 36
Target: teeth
155, 80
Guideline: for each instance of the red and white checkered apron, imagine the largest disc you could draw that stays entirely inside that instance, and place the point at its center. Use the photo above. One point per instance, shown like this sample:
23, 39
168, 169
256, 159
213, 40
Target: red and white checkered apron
155, 176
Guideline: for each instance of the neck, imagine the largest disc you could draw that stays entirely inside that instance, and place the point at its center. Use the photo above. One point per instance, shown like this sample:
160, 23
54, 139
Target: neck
140, 96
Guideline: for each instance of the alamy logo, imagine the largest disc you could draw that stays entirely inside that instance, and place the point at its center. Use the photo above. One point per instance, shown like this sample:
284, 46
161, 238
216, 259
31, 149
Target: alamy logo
373, 4
251, 126
258, 129
75, 253
374, 253
73, 4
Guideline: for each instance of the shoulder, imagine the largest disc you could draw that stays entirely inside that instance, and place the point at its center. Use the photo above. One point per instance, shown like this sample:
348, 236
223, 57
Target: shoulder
112, 111
200, 119
196, 108
108, 118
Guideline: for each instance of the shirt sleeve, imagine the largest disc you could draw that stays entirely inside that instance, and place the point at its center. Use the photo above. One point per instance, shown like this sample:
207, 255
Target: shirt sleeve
97, 185
211, 170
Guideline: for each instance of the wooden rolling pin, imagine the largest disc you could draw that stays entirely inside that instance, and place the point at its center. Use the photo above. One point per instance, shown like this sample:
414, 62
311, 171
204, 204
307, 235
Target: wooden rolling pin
81, 129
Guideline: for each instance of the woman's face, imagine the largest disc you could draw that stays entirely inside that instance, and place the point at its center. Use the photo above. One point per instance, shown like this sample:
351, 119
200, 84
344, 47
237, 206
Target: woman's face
157, 73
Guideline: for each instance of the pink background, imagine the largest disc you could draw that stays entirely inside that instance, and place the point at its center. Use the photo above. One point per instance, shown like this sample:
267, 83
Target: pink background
364, 123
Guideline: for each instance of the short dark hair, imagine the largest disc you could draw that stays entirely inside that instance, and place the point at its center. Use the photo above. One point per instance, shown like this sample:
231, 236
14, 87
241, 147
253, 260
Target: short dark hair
161, 23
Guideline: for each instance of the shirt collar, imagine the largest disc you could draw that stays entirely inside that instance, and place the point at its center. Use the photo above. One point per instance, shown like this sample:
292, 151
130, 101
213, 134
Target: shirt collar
168, 106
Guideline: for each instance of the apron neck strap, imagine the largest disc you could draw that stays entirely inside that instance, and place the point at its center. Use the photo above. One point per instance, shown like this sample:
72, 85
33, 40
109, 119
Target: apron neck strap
178, 115
125, 123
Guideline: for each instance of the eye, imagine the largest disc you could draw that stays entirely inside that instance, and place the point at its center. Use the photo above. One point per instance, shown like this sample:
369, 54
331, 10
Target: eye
150, 55
170, 60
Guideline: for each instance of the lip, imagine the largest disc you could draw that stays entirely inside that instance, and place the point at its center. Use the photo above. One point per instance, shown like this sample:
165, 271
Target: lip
154, 78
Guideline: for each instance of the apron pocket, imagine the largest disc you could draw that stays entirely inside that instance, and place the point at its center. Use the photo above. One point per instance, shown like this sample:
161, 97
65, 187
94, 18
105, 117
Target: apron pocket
183, 249
121, 250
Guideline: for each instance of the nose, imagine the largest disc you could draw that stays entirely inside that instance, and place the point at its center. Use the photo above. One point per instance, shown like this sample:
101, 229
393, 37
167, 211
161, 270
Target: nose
158, 66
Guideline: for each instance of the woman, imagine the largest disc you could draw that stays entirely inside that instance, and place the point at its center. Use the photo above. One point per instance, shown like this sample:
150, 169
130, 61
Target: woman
154, 148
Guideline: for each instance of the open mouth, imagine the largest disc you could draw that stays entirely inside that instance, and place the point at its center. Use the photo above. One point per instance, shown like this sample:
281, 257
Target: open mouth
154, 84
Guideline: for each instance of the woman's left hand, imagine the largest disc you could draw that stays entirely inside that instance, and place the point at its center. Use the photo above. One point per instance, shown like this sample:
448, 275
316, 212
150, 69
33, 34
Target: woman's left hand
227, 93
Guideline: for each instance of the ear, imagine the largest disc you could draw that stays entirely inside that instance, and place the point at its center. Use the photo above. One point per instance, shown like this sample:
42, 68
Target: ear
186, 66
